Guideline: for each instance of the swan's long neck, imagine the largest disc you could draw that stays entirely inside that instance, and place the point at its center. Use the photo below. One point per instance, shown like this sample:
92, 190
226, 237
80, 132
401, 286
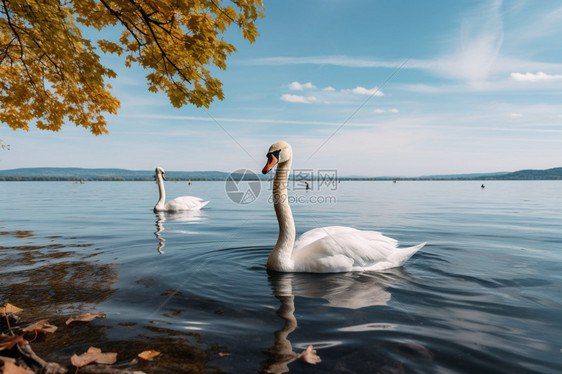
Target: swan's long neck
280, 257
162, 191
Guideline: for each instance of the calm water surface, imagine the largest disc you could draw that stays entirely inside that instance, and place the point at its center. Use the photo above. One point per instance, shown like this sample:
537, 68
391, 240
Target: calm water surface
484, 295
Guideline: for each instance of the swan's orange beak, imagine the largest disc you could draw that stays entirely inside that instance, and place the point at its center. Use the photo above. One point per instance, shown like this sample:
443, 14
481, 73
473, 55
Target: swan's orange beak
271, 162
163, 176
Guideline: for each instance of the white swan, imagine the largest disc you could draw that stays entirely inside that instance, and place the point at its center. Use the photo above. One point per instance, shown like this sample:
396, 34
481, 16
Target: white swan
179, 203
330, 249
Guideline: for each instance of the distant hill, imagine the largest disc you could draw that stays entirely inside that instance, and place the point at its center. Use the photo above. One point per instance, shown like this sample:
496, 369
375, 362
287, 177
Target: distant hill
466, 176
104, 174
549, 174
74, 174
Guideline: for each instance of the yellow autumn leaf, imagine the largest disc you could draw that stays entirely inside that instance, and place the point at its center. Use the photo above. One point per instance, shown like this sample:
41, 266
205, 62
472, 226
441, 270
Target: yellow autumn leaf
148, 355
8, 308
41, 326
86, 317
309, 355
93, 355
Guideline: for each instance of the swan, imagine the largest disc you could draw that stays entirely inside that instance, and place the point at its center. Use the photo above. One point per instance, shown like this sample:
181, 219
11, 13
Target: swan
331, 249
179, 203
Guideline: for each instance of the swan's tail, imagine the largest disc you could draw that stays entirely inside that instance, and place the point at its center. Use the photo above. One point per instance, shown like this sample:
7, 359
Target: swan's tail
204, 203
401, 255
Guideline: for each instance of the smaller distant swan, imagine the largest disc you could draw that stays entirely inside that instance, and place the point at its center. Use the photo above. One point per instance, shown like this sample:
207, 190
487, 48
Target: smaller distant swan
178, 204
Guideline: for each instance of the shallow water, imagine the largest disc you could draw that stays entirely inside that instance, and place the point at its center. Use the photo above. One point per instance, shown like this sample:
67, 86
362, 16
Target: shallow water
482, 296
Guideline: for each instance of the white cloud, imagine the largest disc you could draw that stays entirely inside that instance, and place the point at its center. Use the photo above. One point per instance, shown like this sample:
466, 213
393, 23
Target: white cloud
324, 60
538, 77
474, 53
298, 99
379, 110
516, 115
296, 86
329, 89
375, 91
476, 48
538, 24
438, 121
473, 63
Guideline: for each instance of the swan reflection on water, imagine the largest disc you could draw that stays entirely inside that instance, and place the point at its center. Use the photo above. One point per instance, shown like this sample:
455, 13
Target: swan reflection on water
187, 216
341, 290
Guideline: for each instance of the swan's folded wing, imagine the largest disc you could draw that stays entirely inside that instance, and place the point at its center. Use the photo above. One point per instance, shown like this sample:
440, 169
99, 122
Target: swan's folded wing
185, 203
345, 251
319, 233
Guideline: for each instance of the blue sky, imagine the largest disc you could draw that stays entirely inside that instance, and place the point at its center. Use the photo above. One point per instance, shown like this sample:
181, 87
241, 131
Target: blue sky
371, 88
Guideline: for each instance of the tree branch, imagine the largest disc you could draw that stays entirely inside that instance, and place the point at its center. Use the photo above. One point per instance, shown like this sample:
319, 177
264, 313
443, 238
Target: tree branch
147, 21
119, 16
5, 52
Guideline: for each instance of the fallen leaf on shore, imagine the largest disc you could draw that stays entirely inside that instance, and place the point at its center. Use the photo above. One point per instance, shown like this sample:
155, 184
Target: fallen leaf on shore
309, 355
148, 355
93, 354
11, 368
41, 326
8, 341
86, 317
9, 309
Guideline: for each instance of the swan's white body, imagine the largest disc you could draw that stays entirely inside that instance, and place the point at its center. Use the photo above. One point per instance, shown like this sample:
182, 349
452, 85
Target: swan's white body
179, 204
331, 249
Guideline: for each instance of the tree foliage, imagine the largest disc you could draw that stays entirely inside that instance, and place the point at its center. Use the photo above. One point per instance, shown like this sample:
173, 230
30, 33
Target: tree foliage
50, 73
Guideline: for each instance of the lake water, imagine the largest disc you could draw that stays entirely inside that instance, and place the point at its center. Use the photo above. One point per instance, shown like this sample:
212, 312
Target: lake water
484, 295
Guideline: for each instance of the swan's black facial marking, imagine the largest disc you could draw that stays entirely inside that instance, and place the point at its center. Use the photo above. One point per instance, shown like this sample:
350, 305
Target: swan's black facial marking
274, 153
